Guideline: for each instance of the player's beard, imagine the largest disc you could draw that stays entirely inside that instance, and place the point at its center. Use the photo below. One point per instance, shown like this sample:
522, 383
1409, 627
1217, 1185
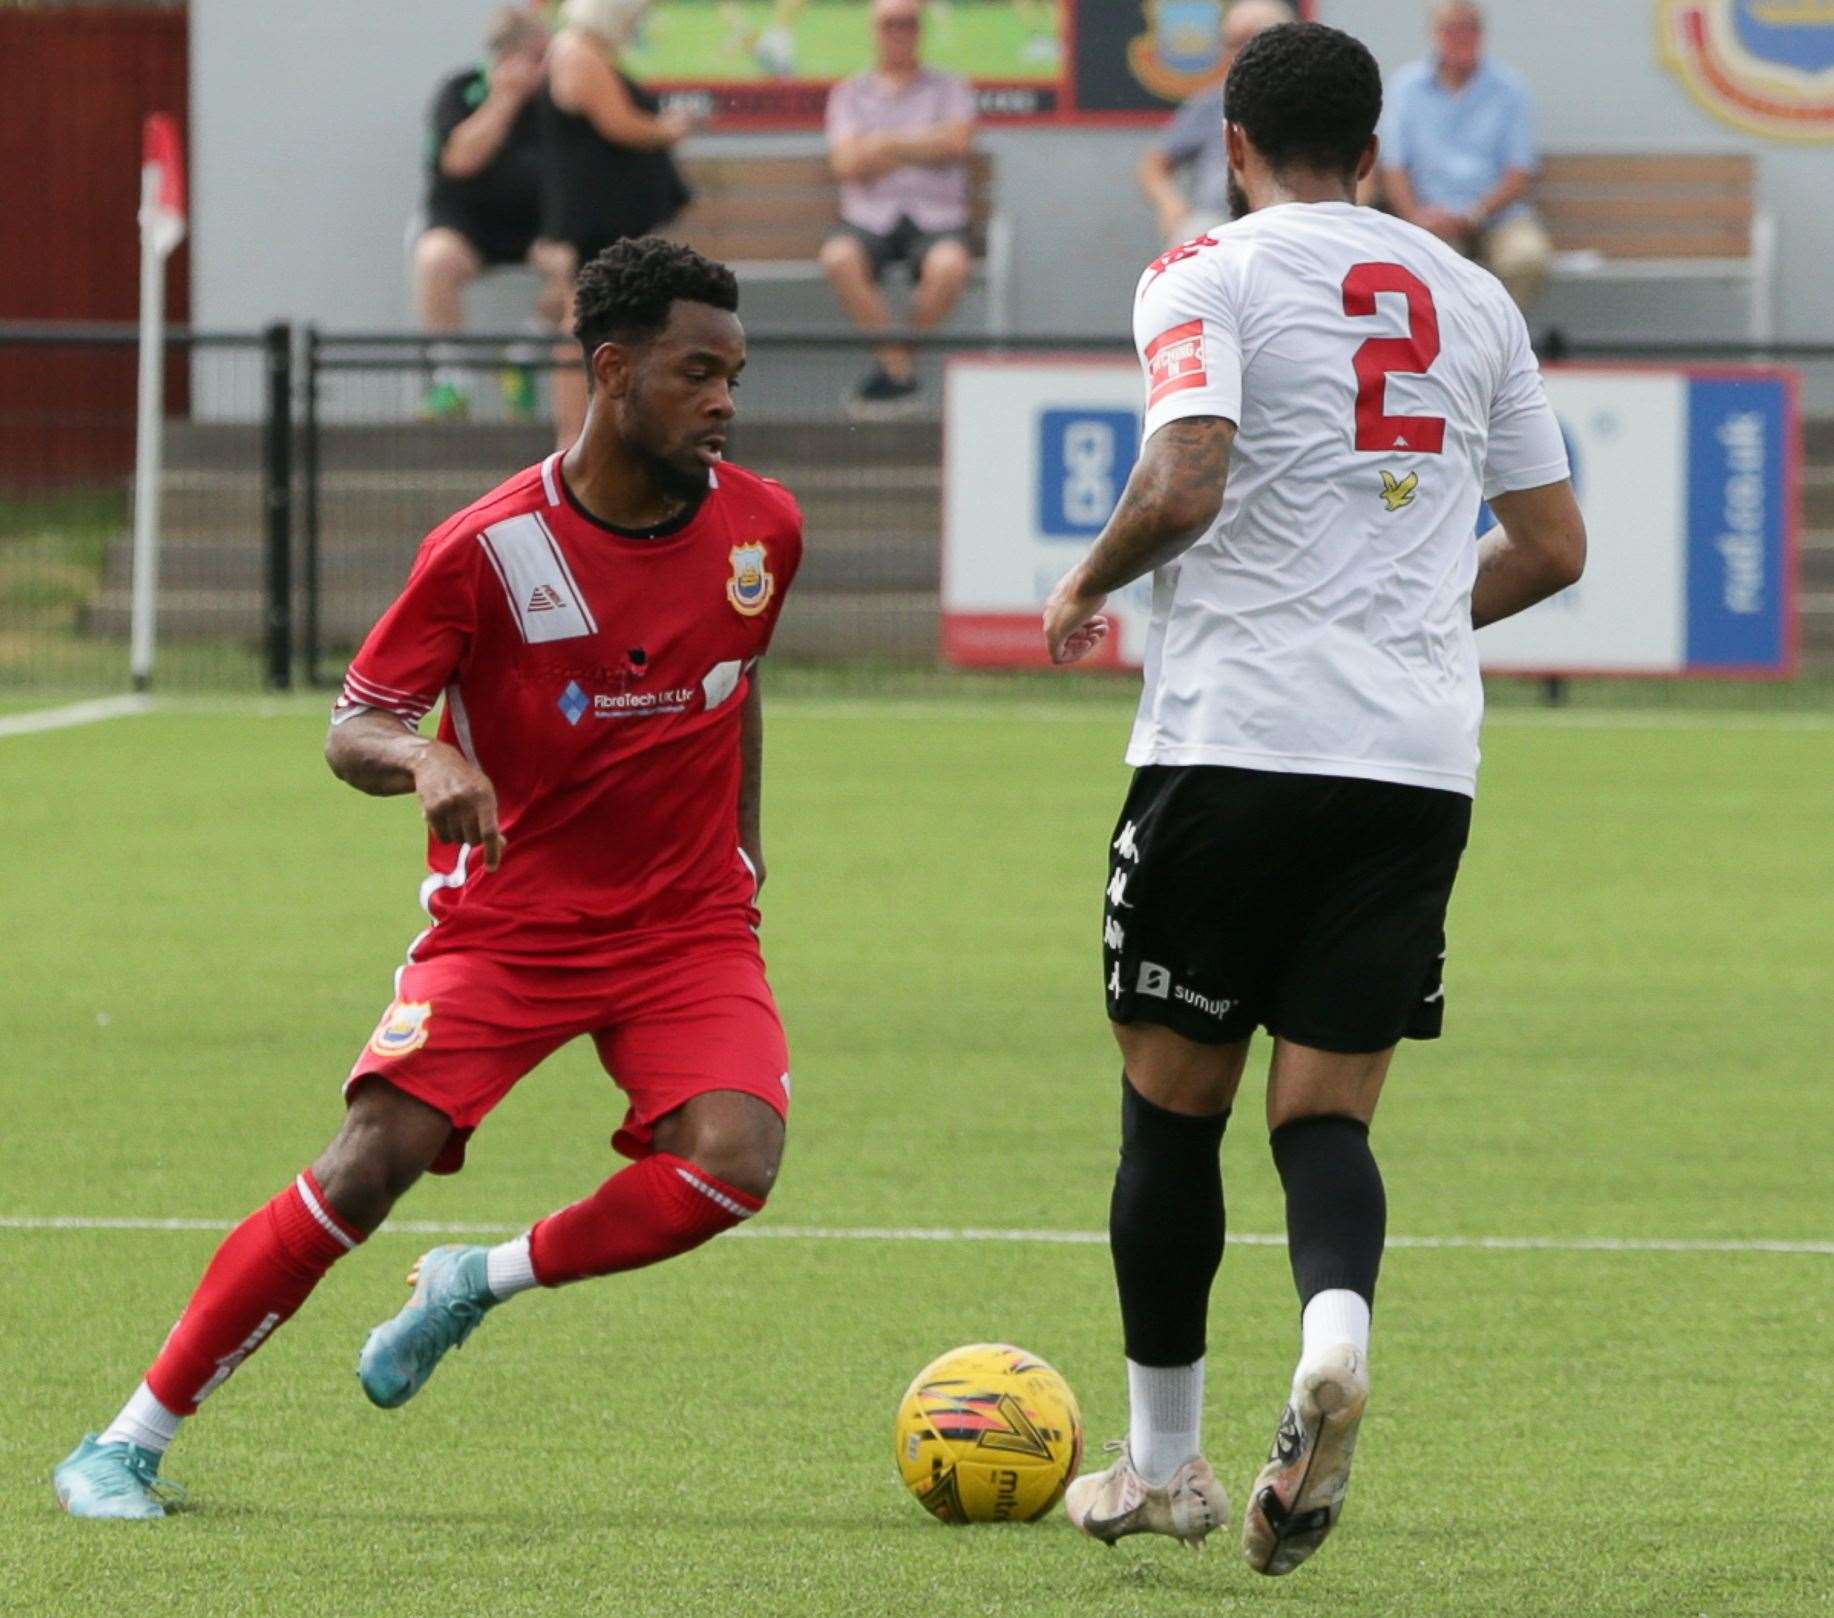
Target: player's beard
676, 481
1239, 205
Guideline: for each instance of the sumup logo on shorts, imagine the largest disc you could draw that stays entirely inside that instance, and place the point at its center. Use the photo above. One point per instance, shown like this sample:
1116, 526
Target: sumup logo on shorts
403, 1028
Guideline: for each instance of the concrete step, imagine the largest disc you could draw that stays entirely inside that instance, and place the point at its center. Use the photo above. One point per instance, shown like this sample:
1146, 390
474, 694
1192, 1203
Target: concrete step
210, 504
496, 449
1818, 496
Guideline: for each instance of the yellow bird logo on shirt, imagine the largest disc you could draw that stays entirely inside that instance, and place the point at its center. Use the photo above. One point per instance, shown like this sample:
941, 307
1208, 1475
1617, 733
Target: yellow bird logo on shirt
1395, 494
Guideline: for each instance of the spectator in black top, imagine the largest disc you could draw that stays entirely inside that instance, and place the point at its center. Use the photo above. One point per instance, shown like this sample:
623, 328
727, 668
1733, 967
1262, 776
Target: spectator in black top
608, 173
484, 163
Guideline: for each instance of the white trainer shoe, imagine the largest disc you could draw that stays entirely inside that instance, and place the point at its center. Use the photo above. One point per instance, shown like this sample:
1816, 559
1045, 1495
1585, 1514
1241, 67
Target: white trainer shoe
1299, 1496
1112, 1504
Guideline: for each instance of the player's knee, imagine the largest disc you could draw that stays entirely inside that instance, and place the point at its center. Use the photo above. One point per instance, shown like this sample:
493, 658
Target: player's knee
387, 1140
736, 1138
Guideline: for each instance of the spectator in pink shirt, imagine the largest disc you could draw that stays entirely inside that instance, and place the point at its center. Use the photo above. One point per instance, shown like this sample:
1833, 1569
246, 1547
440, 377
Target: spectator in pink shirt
899, 136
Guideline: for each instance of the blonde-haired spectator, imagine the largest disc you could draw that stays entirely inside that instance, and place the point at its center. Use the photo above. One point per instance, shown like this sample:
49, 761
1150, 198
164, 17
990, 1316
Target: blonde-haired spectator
609, 172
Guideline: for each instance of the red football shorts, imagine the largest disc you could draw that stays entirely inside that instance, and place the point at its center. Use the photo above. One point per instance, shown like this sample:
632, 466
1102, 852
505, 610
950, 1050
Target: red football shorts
672, 1021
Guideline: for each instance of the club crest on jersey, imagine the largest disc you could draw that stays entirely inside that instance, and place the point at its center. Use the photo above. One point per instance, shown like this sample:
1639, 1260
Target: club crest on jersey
1397, 493
403, 1028
1175, 361
751, 586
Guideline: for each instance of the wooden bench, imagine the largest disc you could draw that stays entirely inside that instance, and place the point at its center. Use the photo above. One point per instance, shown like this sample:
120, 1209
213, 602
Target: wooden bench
767, 216
1662, 217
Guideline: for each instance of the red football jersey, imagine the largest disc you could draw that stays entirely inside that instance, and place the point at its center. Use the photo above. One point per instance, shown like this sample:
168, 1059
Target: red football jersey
596, 676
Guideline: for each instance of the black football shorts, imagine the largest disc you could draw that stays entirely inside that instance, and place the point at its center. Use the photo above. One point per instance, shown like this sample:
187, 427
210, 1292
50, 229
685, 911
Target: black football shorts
1313, 906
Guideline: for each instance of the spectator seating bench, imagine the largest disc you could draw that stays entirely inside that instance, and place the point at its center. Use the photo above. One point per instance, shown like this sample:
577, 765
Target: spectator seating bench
1662, 216
768, 215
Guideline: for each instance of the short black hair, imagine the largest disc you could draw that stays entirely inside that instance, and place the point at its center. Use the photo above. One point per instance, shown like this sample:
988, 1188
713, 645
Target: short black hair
623, 295
1305, 95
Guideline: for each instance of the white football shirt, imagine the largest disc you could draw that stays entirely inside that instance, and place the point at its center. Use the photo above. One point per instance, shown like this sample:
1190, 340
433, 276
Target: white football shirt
1381, 386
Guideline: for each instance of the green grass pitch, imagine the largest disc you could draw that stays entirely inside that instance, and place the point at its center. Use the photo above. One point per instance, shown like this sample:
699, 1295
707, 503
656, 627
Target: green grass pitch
200, 927
984, 39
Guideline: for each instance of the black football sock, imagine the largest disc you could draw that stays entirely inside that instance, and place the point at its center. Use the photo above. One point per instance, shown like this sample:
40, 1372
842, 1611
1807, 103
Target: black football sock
1165, 1228
1336, 1211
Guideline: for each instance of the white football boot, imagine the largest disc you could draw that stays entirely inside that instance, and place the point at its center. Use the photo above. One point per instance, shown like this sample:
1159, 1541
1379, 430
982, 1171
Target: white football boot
1113, 1504
1299, 1496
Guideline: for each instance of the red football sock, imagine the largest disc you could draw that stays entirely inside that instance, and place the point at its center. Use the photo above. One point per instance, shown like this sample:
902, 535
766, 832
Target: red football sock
652, 1210
263, 1272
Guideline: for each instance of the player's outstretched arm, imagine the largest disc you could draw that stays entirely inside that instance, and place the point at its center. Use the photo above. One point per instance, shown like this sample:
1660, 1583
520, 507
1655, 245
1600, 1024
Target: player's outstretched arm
1170, 501
1536, 550
377, 753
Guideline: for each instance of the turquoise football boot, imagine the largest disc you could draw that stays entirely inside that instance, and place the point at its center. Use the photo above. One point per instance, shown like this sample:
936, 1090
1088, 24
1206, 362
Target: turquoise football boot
450, 1298
113, 1480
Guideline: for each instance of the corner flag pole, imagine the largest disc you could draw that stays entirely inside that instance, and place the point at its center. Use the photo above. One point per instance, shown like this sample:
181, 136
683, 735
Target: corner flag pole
162, 228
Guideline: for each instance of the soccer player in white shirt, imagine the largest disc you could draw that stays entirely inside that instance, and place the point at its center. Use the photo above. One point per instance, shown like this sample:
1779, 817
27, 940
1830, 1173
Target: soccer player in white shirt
1330, 395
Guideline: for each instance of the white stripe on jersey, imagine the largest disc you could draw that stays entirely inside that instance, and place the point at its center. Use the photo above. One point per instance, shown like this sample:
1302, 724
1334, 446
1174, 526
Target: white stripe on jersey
543, 596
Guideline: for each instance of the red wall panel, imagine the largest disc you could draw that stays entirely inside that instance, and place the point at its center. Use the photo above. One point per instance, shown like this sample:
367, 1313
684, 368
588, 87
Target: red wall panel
76, 85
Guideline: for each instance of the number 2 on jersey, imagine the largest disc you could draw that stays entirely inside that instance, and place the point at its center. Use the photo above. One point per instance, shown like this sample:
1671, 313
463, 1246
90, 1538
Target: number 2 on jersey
1377, 359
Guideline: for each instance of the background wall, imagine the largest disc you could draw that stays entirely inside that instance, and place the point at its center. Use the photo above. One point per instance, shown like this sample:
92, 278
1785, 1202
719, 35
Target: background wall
307, 131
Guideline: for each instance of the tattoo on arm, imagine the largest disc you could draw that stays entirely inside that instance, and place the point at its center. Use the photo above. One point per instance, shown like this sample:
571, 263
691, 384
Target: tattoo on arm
1170, 501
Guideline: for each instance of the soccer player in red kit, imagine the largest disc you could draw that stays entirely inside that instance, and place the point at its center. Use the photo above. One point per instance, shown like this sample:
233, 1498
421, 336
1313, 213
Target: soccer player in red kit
593, 626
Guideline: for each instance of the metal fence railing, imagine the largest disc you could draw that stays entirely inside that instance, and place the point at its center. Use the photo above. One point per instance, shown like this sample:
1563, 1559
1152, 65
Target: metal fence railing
377, 474
302, 469
67, 407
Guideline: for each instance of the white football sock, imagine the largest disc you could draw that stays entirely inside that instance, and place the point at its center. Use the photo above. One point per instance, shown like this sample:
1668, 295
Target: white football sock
144, 1421
508, 1269
1331, 1319
1166, 1405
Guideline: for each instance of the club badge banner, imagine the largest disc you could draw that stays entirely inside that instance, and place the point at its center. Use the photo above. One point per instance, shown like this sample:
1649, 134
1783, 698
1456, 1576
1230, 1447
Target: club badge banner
769, 64
1764, 66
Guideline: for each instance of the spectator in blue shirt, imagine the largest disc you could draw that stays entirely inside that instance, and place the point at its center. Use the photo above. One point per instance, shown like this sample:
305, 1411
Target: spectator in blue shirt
1458, 153
1193, 140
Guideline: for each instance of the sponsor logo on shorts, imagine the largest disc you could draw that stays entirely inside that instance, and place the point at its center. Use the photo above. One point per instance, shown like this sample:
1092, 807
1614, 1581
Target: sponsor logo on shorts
1208, 1005
1175, 361
1124, 845
1156, 982
403, 1028
1117, 891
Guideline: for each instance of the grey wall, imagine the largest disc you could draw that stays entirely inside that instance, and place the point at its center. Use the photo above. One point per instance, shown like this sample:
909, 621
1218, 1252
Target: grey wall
306, 150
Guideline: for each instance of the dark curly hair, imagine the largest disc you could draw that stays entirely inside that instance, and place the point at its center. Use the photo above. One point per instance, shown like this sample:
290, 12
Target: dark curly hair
1306, 95
623, 295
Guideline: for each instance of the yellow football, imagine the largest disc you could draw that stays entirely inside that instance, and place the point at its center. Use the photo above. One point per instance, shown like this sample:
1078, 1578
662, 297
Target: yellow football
988, 1433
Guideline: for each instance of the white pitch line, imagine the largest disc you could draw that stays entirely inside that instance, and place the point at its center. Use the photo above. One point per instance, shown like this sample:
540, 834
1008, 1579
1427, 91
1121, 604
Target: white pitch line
74, 713
1052, 1238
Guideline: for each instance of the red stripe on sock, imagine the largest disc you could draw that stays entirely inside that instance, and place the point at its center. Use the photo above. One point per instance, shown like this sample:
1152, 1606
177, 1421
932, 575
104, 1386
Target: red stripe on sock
655, 1209
265, 1269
